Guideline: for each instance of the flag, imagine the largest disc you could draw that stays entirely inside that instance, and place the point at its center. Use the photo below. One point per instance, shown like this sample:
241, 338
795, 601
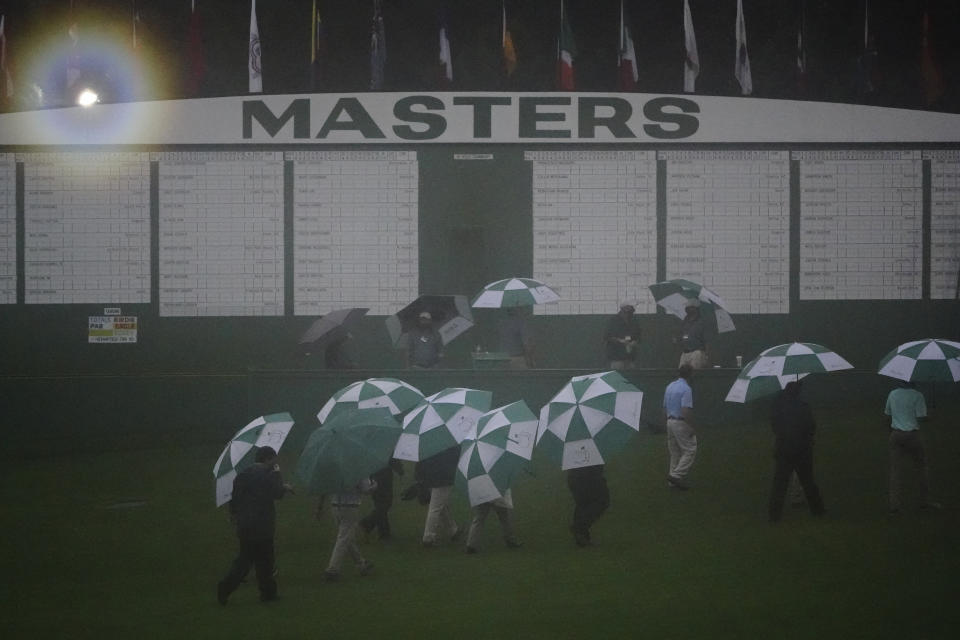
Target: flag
136, 21
6, 81
627, 57
378, 48
566, 52
446, 62
73, 57
867, 68
509, 52
741, 69
802, 49
318, 48
691, 64
929, 69
197, 71
254, 67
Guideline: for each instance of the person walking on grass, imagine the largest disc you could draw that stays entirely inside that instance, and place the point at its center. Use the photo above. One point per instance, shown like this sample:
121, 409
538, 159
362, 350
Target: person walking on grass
591, 498
382, 500
255, 489
793, 428
681, 437
503, 507
905, 409
437, 473
346, 516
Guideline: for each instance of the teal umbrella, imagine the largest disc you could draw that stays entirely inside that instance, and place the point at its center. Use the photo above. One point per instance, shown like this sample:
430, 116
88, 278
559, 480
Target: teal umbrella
499, 448
441, 421
931, 360
347, 448
745, 388
675, 295
592, 417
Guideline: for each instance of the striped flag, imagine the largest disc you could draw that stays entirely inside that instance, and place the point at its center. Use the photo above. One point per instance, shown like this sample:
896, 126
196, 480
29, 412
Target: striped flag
627, 58
741, 68
566, 52
378, 48
446, 61
318, 48
691, 63
254, 65
930, 74
197, 66
509, 51
6, 81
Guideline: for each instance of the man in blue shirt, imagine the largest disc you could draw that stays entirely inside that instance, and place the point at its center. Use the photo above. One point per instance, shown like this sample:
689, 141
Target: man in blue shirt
906, 407
681, 437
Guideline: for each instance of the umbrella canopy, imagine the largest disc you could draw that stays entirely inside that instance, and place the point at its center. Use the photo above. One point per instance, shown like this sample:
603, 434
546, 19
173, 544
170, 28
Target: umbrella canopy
793, 359
496, 451
514, 292
441, 421
931, 360
349, 447
745, 389
265, 431
451, 316
675, 295
390, 393
592, 417
333, 326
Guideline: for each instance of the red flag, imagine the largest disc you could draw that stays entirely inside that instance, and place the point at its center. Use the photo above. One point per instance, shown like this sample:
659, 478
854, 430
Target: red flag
566, 52
197, 67
628, 56
929, 69
509, 51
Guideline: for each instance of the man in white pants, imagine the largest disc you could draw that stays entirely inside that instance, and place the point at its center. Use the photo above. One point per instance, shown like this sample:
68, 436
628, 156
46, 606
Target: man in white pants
346, 516
681, 437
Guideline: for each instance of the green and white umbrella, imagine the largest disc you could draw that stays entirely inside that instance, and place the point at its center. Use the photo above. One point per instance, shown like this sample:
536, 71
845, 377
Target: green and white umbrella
389, 393
745, 389
793, 359
441, 421
347, 448
931, 360
674, 296
514, 292
592, 417
499, 448
265, 431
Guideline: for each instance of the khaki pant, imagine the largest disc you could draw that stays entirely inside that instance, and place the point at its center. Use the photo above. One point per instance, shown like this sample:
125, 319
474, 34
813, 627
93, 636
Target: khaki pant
439, 516
480, 513
682, 445
346, 519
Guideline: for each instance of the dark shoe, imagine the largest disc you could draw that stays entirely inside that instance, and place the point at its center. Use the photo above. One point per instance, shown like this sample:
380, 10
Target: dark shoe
581, 538
677, 483
270, 598
931, 505
514, 544
365, 568
471, 550
331, 576
222, 595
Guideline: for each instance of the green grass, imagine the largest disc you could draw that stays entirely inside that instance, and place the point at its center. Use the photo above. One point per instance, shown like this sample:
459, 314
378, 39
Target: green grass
667, 564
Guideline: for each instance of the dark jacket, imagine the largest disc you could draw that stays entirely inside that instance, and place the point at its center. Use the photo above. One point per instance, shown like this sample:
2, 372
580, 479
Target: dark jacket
438, 470
618, 327
792, 422
251, 507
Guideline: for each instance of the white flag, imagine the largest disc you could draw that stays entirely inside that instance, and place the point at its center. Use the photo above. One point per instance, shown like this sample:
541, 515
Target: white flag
254, 68
691, 65
446, 61
741, 67
6, 82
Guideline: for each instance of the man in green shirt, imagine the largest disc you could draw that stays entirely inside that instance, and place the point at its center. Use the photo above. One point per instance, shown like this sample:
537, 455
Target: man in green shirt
906, 407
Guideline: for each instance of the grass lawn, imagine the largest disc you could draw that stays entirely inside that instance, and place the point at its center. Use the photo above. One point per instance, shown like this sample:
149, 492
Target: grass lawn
81, 560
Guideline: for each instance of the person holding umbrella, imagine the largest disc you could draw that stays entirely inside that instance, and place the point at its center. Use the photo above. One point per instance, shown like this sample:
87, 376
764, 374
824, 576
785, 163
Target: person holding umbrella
437, 473
905, 408
692, 338
793, 428
424, 343
252, 510
621, 336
